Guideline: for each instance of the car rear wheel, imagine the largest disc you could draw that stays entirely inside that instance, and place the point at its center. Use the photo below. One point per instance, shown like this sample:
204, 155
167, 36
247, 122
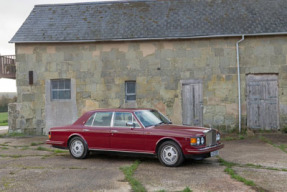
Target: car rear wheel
170, 154
78, 148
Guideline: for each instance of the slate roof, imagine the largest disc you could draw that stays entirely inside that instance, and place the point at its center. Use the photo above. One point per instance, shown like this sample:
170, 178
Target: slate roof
161, 19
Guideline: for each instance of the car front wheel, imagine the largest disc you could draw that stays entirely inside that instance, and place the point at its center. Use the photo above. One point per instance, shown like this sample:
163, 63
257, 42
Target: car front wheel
78, 148
170, 154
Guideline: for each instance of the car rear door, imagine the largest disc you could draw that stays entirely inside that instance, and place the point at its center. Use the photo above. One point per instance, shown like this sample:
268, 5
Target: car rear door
97, 130
125, 137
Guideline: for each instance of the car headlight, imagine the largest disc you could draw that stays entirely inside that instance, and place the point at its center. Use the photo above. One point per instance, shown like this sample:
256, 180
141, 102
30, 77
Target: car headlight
197, 141
202, 140
218, 137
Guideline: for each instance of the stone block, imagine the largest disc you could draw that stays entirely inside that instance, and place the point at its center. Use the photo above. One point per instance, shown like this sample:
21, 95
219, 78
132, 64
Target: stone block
28, 97
218, 52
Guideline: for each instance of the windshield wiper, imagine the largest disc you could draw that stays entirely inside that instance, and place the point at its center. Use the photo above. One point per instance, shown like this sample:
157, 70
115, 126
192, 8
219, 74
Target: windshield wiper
159, 123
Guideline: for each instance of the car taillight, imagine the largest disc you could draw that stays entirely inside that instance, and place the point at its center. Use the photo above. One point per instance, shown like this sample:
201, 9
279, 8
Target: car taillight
50, 135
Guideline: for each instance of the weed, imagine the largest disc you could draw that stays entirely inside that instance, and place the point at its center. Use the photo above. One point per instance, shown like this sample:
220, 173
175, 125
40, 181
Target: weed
42, 149
231, 138
228, 138
13, 134
16, 156
187, 190
24, 148
76, 168
4, 148
129, 172
36, 144
284, 129
283, 147
59, 151
241, 137
253, 166
237, 177
226, 163
230, 171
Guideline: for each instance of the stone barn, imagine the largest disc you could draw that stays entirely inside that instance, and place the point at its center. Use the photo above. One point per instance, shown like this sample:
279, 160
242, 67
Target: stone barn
219, 63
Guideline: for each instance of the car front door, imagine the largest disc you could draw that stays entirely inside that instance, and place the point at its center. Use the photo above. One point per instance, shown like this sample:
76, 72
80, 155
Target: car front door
97, 130
126, 133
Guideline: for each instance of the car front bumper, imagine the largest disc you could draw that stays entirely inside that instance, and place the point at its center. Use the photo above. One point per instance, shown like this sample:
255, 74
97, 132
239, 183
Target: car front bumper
205, 149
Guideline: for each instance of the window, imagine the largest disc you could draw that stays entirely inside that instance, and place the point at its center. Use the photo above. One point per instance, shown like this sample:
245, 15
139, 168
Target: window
130, 90
103, 119
121, 119
90, 120
60, 89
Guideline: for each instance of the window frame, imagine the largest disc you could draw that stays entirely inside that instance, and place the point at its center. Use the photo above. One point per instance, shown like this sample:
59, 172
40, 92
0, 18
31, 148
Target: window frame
94, 117
134, 120
130, 94
59, 90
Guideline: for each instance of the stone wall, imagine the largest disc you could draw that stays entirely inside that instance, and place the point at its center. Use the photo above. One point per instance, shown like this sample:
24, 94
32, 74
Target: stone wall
101, 69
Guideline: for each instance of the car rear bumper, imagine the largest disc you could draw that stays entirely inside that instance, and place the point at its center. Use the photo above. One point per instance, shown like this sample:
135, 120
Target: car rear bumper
204, 150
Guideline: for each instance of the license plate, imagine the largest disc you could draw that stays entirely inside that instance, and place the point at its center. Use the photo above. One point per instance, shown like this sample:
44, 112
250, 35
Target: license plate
214, 153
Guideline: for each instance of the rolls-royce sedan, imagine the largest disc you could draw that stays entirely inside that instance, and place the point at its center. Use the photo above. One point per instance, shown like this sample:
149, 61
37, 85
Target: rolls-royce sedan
144, 131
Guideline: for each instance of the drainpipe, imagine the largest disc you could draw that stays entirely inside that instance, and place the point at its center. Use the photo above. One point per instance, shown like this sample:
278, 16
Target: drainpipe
238, 79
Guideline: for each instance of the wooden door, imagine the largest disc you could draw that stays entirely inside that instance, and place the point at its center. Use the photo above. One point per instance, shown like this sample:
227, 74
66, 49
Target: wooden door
262, 102
192, 105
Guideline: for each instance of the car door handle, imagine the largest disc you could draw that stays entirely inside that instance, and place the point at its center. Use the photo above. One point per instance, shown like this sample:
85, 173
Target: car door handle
85, 130
114, 131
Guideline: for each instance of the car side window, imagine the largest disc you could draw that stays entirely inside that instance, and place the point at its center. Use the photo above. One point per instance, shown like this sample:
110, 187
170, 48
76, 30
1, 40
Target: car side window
122, 118
103, 119
90, 120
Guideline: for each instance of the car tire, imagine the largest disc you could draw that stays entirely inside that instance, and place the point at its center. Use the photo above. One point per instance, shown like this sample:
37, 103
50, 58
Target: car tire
78, 148
170, 154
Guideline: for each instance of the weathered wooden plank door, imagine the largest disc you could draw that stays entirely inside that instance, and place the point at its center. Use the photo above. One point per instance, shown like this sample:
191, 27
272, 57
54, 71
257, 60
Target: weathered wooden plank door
192, 105
262, 102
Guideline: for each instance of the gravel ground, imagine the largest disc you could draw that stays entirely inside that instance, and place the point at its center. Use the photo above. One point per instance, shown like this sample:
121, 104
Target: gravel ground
24, 167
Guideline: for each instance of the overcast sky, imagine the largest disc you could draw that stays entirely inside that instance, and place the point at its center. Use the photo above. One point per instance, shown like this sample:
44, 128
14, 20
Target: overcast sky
12, 15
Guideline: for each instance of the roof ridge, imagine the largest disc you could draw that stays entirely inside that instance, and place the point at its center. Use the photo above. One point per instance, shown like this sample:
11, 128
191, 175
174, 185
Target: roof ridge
94, 2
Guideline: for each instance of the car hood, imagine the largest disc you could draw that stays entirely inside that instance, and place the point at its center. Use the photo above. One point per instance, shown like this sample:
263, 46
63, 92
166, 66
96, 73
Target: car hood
180, 129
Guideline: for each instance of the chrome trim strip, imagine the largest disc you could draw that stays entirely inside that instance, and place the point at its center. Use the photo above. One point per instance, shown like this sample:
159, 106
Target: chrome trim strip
219, 146
120, 151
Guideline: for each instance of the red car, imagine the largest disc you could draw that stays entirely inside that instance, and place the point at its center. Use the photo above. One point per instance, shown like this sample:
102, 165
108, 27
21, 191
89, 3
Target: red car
144, 131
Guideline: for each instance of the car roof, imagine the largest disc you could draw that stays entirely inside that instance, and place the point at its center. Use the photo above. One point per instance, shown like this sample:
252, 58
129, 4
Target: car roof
122, 109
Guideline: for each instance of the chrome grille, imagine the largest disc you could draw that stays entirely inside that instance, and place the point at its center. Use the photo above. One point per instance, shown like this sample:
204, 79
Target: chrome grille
210, 138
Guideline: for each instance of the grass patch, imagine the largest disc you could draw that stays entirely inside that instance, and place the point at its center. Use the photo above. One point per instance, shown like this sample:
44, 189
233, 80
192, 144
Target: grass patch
77, 168
4, 119
13, 134
36, 144
129, 172
59, 151
232, 138
226, 163
230, 171
283, 147
42, 149
237, 177
187, 190
25, 148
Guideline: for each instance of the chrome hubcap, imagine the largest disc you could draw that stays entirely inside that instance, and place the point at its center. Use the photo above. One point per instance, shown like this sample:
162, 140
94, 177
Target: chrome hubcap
169, 155
77, 148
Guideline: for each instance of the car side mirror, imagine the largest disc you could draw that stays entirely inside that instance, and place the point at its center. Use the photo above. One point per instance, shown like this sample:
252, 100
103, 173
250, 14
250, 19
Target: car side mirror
131, 124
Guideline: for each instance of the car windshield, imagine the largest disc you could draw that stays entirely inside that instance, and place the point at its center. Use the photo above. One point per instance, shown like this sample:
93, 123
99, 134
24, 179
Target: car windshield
151, 118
